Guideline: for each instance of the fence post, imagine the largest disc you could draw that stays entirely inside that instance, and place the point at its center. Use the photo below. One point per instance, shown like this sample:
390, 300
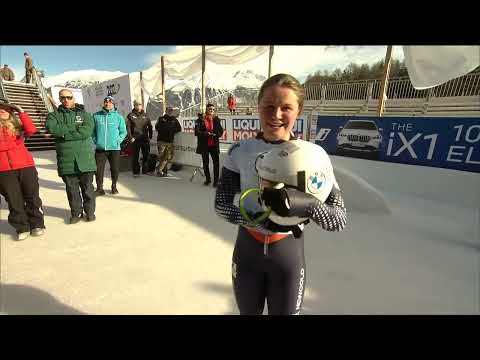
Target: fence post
430, 93
323, 92
368, 97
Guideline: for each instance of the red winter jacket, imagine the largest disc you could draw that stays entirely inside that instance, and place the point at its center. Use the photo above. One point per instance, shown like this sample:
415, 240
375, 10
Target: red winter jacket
13, 153
232, 103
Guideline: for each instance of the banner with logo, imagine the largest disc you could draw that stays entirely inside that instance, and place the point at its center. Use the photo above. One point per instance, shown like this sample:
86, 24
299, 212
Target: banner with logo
241, 127
184, 147
119, 88
445, 142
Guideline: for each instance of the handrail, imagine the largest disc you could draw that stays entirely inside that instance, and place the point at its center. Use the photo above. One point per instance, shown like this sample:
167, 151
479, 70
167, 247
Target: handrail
50, 99
42, 91
3, 94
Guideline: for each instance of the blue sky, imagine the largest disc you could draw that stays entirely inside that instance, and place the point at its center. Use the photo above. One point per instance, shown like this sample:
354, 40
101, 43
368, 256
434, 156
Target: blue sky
55, 60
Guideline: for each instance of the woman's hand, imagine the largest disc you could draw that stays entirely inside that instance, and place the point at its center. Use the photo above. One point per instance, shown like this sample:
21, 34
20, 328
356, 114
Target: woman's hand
17, 108
289, 202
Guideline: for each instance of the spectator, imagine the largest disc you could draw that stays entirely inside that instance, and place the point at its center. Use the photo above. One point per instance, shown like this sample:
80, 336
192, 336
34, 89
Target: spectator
72, 129
140, 131
108, 134
209, 131
167, 126
232, 104
7, 74
28, 68
18, 175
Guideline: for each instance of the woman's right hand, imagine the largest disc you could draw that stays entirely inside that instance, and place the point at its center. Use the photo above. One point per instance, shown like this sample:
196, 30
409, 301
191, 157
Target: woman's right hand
17, 108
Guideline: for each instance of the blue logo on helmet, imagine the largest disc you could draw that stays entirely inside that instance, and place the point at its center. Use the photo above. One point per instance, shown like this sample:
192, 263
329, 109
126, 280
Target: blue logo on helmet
315, 182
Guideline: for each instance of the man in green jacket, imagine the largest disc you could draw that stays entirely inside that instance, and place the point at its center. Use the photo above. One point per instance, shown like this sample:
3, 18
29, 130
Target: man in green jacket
108, 134
72, 128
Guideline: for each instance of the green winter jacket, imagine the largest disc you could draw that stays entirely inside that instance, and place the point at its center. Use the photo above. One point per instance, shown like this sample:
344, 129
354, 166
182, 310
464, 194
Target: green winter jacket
72, 129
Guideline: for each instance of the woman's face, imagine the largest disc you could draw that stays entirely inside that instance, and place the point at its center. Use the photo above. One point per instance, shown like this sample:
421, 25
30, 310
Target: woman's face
278, 111
4, 114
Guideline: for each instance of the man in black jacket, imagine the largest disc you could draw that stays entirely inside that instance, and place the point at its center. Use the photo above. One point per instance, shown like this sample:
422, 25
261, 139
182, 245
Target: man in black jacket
167, 126
209, 131
140, 131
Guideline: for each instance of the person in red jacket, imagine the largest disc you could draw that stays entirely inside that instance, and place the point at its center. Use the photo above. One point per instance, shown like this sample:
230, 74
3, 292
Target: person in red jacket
232, 104
18, 175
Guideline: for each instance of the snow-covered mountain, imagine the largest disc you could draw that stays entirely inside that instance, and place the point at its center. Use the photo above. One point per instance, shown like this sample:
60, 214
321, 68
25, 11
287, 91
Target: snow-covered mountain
180, 93
81, 78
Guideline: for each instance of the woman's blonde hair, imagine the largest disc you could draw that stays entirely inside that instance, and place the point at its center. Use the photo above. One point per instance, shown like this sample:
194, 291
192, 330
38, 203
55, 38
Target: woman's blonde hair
287, 81
12, 124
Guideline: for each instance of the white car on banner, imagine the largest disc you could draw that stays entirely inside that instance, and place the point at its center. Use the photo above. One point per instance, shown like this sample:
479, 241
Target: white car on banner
359, 136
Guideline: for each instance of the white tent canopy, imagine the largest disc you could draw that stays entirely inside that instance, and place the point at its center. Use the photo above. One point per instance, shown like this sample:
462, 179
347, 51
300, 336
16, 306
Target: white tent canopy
429, 66
188, 62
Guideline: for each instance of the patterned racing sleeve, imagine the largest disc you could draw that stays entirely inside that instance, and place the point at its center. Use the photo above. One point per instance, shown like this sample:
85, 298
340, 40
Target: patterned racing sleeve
228, 186
331, 215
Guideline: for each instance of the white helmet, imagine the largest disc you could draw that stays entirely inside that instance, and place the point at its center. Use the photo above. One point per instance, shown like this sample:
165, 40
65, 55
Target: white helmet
299, 164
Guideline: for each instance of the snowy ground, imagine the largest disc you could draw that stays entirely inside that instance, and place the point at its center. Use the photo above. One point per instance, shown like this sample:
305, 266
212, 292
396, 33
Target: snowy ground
159, 248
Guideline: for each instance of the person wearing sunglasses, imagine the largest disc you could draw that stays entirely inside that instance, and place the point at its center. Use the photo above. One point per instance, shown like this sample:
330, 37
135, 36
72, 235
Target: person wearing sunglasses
108, 134
208, 131
18, 175
72, 128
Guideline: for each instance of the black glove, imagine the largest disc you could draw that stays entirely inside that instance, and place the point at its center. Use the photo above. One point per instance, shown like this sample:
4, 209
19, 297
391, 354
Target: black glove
288, 201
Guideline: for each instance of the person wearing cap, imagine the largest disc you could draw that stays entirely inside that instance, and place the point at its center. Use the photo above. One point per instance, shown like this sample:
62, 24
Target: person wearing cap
28, 67
108, 134
18, 175
72, 128
167, 126
140, 131
6, 73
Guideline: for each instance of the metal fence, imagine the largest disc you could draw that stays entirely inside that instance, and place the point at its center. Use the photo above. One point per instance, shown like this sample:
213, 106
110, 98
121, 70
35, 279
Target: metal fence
246, 98
398, 88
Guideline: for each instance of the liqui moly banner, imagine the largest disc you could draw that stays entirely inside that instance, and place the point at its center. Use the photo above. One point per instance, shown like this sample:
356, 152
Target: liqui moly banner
246, 127
241, 127
188, 125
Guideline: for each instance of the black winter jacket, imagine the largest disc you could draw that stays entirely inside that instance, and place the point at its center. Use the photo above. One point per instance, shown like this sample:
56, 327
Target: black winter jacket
202, 134
167, 127
139, 126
